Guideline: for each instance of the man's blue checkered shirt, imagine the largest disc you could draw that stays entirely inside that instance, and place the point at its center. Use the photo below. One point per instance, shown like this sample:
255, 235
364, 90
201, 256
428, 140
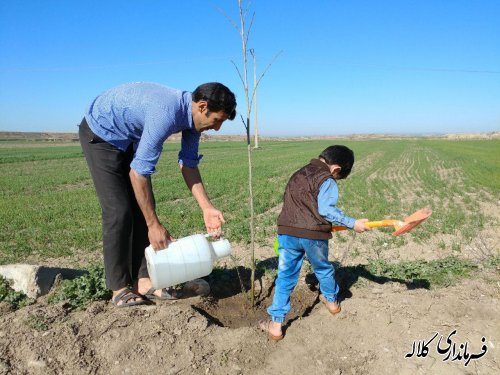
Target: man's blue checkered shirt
145, 115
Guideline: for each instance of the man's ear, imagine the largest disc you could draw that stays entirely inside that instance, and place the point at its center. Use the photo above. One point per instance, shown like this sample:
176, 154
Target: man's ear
201, 105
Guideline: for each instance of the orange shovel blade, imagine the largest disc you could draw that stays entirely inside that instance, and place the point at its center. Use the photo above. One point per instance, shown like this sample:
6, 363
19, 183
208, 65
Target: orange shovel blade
413, 220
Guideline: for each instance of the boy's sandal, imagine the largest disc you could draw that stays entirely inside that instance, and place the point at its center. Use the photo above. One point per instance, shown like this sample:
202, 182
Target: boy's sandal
264, 326
333, 307
165, 294
127, 297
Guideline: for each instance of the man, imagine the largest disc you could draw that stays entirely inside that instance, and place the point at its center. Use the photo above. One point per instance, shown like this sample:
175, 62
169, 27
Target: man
122, 136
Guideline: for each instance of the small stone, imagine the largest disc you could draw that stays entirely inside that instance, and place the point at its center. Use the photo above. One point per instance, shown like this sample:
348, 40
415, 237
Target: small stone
197, 287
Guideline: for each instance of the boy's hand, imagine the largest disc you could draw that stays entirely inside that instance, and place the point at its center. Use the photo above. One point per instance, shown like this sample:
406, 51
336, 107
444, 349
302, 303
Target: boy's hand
360, 226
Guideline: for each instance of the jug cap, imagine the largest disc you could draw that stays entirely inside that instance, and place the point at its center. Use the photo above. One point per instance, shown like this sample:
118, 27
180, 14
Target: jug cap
222, 248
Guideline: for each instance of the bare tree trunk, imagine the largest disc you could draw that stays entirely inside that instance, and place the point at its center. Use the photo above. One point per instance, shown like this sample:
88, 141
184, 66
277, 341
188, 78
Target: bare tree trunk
252, 225
256, 120
244, 35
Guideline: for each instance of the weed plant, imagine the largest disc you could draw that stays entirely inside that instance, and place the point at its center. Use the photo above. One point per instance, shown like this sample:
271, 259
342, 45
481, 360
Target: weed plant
37, 323
81, 291
493, 262
12, 297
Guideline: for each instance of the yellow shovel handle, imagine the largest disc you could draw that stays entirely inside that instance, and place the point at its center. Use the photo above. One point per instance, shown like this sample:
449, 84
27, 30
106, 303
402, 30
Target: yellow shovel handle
372, 224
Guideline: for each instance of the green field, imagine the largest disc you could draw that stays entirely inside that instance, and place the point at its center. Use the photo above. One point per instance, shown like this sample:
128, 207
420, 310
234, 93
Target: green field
48, 207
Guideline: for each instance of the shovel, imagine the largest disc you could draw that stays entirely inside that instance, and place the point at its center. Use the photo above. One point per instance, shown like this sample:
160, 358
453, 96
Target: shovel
400, 227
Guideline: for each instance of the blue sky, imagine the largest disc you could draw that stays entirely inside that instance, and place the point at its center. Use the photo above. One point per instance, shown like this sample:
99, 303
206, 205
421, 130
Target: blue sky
347, 67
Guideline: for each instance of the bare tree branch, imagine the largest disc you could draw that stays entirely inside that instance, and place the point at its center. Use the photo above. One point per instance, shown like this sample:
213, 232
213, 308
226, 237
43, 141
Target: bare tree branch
250, 28
268, 66
263, 73
239, 73
243, 121
228, 18
249, 5
244, 52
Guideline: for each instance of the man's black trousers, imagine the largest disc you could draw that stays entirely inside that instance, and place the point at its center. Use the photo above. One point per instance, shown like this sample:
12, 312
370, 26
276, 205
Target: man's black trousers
124, 230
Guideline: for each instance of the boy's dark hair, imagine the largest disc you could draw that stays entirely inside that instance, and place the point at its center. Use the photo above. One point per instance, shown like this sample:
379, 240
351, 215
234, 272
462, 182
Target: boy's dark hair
218, 98
341, 155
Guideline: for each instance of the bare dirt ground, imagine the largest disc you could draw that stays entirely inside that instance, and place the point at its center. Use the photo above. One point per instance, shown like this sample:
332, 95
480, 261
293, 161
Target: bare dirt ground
380, 322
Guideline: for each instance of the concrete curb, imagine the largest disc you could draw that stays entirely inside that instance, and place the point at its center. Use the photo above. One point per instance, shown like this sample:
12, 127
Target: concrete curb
35, 281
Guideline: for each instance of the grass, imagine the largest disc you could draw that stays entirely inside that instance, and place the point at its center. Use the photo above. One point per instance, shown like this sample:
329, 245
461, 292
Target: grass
48, 207
441, 272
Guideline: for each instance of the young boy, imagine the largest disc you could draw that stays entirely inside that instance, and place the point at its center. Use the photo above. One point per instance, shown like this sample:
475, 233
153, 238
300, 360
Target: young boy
304, 227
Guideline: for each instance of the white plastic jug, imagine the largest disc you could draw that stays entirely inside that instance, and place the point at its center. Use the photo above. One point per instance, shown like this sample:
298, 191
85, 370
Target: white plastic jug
183, 260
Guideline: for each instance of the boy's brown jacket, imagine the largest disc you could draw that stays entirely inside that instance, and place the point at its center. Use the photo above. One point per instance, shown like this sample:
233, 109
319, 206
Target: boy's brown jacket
299, 216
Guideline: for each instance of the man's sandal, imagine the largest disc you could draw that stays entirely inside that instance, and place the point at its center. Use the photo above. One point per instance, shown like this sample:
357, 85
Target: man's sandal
264, 326
165, 294
126, 298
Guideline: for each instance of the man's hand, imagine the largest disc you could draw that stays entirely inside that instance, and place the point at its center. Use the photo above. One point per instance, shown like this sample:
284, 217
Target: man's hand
213, 217
213, 221
159, 237
360, 226
157, 234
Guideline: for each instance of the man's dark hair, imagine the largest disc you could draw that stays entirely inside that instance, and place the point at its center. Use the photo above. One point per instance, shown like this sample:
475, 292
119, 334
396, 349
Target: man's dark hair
218, 98
341, 155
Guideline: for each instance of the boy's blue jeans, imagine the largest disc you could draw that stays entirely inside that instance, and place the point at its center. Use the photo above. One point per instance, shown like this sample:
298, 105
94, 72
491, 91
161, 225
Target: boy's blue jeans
292, 251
